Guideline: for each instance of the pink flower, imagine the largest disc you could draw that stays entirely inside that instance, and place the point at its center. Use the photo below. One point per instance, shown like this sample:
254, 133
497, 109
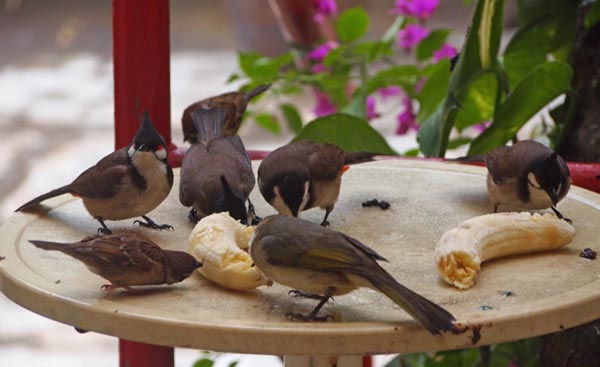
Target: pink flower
421, 9
324, 106
446, 52
407, 119
371, 113
411, 35
389, 91
482, 126
319, 53
324, 9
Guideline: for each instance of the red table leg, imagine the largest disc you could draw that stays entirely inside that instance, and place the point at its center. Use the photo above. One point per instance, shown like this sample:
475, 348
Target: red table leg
134, 354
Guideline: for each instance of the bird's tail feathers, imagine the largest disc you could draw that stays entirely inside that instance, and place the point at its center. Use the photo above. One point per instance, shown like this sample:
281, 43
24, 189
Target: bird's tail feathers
435, 318
256, 91
48, 245
359, 157
48, 195
469, 158
209, 123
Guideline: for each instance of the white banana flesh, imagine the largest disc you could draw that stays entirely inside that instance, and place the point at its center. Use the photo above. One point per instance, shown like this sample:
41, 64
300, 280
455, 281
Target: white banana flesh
461, 250
218, 241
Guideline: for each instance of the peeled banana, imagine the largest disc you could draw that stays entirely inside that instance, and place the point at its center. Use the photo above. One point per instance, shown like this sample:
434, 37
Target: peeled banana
461, 250
218, 241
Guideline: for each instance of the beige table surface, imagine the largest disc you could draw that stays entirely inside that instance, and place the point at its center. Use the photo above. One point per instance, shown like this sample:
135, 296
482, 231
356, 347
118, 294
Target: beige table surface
550, 291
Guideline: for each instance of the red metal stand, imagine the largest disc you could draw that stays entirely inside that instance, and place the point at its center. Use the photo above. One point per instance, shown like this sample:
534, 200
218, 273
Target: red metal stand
134, 354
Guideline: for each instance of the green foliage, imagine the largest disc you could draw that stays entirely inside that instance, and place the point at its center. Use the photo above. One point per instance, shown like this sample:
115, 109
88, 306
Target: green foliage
505, 88
350, 133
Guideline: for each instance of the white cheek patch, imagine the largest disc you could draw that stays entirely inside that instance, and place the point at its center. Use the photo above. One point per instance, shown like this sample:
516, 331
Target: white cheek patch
161, 154
279, 204
131, 152
305, 197
533, 181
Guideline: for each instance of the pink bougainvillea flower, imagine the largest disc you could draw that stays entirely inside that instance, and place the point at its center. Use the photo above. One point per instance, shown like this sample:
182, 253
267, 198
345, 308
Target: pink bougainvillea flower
411, 35
320, 52
317, 68
482, 126
406, 120
389, 91
324, 9
421, 9
371, 113
447, 51
324, 106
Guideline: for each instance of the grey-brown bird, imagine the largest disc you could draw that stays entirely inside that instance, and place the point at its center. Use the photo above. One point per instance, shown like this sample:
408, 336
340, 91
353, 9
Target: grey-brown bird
234, 104
127, 183
216, 172
527, 175
321, 263
304, 174
127, 260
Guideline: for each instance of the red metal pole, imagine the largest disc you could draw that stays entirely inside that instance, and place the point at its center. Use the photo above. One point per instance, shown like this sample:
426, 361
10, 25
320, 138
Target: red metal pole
141, 68
134, 354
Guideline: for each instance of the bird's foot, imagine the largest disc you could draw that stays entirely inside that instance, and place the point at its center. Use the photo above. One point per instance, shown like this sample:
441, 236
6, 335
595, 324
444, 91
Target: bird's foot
149, 223
104, 230
296, 293
253, 219
193, 216
107, 287
325, 223
560, 216
110, 287
310, 317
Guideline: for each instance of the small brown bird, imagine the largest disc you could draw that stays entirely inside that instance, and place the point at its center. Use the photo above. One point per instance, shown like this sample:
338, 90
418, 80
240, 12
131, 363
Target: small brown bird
127, 183
234, 104
304, 174
326, 263
127, 260
216, 172
527, 175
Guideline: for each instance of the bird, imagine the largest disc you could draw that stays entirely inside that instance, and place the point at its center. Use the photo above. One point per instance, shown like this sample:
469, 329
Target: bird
127, 183
320, 263
305, 174
234, 104
216, 173
127, 260
526, 175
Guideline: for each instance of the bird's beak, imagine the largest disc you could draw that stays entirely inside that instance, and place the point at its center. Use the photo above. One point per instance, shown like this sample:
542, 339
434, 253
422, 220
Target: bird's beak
553, 195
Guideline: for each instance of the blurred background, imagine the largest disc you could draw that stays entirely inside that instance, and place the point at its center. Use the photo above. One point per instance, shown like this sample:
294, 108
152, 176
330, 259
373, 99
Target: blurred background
56, 119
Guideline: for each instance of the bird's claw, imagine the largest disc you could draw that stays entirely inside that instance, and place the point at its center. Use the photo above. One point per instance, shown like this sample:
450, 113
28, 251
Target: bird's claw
153, 225
325, 223
107, 287
296, 293
104, 231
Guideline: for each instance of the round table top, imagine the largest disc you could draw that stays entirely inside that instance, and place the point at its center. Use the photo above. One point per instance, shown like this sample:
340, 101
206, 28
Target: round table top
549, 291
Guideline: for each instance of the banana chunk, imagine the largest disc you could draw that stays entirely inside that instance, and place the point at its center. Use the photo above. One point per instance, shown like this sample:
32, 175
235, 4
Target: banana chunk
218, 241
461, 250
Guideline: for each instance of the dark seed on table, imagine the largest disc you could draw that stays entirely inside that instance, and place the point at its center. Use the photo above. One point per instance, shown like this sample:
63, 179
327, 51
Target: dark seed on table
588, 253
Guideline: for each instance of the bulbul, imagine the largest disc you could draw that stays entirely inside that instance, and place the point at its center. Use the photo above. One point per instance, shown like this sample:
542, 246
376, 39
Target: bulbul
127, 183
127, 260
526, 175
321, 263
216, 172
304, 174
234, 104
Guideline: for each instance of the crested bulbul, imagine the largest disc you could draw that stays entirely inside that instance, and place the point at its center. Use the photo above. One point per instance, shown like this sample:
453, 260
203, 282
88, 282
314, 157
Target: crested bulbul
304, 174
526, 175
127, 183
325, 263
234, 104
216, 172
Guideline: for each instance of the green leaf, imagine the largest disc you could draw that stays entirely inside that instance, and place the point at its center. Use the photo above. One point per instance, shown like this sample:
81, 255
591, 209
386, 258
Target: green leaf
478, 102
357, 107
434, 90
478, 54
292, 117
204, 362
458, 142
348, 132
405, 76
540, 87
352, 24
268, 122
593, 15
432, 42
263, 69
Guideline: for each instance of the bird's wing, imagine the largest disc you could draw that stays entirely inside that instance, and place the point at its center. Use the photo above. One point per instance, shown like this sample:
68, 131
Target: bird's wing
326, 162
123, 251
103, 179
507, 161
